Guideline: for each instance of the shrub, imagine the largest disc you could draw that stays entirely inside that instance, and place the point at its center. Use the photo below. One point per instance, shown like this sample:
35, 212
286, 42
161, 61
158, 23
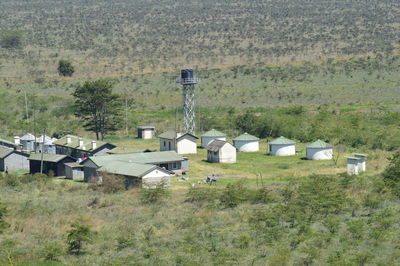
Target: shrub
11, 39
391, 175
202, 194
77, 236
234, 194
3, 214
157, 194
107, 183
65, 68
262, 195
52, 251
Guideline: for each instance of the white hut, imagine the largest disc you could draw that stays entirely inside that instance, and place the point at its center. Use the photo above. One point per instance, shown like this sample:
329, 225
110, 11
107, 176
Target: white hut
146, 132
319, 150
46, 144
362, 165
282, 147
181, 143
352, 165
220, 151
246, 143
211, 135
28, 142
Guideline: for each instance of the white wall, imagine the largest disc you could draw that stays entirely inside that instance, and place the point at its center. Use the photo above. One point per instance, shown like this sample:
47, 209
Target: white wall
227, 154
206, 140
319, 153
147, 134
154, 177
282, 149
247, 146
352, 168
187, 145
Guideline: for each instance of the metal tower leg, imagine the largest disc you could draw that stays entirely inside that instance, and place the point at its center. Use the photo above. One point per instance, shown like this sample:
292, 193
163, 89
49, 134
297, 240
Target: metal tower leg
188, 108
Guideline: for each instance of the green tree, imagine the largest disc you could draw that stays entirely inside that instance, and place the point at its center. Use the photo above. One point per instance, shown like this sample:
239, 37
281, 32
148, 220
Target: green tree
391, 175
98, 107
11, 39
77, 236
65, 68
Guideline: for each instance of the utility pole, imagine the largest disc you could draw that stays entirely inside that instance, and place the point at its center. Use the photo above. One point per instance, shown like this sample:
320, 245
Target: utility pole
41, 155
26, 107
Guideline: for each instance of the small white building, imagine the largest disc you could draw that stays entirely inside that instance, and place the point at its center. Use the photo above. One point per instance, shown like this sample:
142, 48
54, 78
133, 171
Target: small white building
220, 151
28, 142
362, 165
74, 171
319, 150
46, 144
247, 143
282, 147
352, 165
146, 132
181, 143
211, 135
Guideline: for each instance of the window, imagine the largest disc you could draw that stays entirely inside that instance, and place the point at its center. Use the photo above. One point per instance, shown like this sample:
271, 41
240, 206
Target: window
174, 166
165, 144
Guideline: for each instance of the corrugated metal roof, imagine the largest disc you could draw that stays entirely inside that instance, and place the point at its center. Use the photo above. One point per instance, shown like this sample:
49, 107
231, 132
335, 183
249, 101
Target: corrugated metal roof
143, 158
8, 142
146, 127
352, 158
319, 144
47, 140
360, 155
281, 141
214, 133
55, 158
168, 135
125, 150
87, 143
216, 145
4, 152
28, 136
127, 168
246, 137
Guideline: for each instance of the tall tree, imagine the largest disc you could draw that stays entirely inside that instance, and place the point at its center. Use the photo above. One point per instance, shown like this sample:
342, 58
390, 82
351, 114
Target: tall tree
98, 107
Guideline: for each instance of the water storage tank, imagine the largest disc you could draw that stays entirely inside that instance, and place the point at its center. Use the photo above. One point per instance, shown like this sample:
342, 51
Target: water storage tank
187, 73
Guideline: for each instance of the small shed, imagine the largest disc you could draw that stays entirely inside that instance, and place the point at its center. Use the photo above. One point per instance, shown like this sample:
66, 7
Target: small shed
246, 143
282, 147
181, 143
13, 160
46, 144
211, 135
74, 171
319, 150
220, 151
51, 162
352, 165
28, 142
362, 165
146, 132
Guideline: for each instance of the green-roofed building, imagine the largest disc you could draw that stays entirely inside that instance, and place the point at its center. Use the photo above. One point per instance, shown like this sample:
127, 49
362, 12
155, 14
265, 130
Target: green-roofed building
211, 135
319, 150
181, 143
78, 147
282, 147
52, 163
13, 160
246, 143
9, 144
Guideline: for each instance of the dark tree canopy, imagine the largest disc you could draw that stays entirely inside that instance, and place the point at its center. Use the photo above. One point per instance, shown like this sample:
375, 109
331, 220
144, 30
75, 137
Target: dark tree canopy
98, 107
11, 39
65, 68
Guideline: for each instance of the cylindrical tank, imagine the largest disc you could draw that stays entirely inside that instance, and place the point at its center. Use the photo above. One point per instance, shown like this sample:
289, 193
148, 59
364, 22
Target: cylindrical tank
247, 146
282, 149
319, 153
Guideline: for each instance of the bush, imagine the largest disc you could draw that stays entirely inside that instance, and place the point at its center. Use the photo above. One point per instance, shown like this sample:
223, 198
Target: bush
77, 236
107, 183
52, 251
3, 213
234, 194
65, 68
202, 194
391, 175
11, 39
156, 194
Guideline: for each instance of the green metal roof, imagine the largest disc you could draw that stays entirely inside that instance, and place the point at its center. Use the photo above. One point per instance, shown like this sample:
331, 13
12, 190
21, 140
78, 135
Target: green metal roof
127, 168
87, 143
213, 133
125, 150
4, 152
352, 158
55, 158
168, 135
8, 142
281, 141
142, 158
360, 155
319, 144
246, 137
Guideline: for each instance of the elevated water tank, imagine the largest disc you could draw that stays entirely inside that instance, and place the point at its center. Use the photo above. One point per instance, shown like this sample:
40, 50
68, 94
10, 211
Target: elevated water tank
187, 74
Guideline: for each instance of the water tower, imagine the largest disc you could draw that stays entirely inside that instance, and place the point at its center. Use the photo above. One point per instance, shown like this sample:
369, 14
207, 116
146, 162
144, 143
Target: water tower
188, 81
